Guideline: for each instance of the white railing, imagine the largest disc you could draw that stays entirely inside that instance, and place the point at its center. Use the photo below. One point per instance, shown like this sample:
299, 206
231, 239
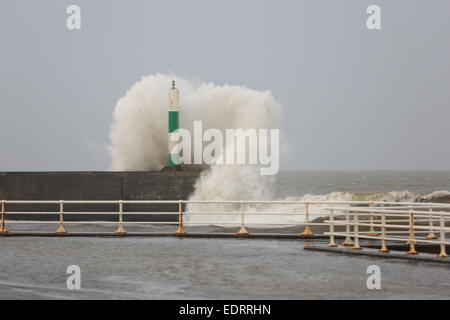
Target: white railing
407, 224
392, 219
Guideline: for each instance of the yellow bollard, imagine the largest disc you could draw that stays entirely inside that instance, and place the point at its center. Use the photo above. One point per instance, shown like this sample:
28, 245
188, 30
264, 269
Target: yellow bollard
3, 228
411, 242
383, 249
61, 229
307, 232
443, 254
431, 235
355, 232
332, 244
242, 231
180, 219
120, 229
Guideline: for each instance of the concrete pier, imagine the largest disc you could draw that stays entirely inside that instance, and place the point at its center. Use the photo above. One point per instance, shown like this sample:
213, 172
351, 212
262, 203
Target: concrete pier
94, 185
422, 257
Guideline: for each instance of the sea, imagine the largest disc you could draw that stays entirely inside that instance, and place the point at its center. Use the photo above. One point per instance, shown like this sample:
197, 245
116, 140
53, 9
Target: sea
196, 268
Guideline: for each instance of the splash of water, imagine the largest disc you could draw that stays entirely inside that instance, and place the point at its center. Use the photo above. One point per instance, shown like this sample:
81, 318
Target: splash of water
139, 132
139, 129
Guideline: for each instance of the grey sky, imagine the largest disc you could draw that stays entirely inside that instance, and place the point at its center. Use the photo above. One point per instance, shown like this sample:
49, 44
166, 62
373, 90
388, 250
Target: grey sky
352, 98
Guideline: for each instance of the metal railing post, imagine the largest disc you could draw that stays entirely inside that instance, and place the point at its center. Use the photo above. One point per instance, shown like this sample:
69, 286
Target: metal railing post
180, 218
348, 240
443, 254
431, 235
120, 229
307, 232
242, 231
411, 242
371, 232
332, 244
355, 231
383, 249
61, 229
3, 228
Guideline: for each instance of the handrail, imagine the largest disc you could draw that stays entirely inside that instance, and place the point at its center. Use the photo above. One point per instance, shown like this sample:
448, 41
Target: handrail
383, 210
418, 204
408, 219
384, 225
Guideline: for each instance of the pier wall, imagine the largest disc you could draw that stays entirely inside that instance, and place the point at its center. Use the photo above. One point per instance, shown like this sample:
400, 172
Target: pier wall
157, 185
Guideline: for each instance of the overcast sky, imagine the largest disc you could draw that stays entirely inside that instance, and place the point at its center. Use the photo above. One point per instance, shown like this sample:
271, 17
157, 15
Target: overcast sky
352, 98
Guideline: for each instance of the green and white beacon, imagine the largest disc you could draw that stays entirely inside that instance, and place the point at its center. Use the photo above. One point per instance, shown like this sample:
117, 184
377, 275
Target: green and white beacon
174, 104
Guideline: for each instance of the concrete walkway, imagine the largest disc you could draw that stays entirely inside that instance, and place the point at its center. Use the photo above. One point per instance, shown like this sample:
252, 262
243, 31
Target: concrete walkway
423, 257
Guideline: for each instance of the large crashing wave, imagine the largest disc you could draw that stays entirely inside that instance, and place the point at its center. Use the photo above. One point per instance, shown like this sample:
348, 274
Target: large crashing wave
139, 130
139, 142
